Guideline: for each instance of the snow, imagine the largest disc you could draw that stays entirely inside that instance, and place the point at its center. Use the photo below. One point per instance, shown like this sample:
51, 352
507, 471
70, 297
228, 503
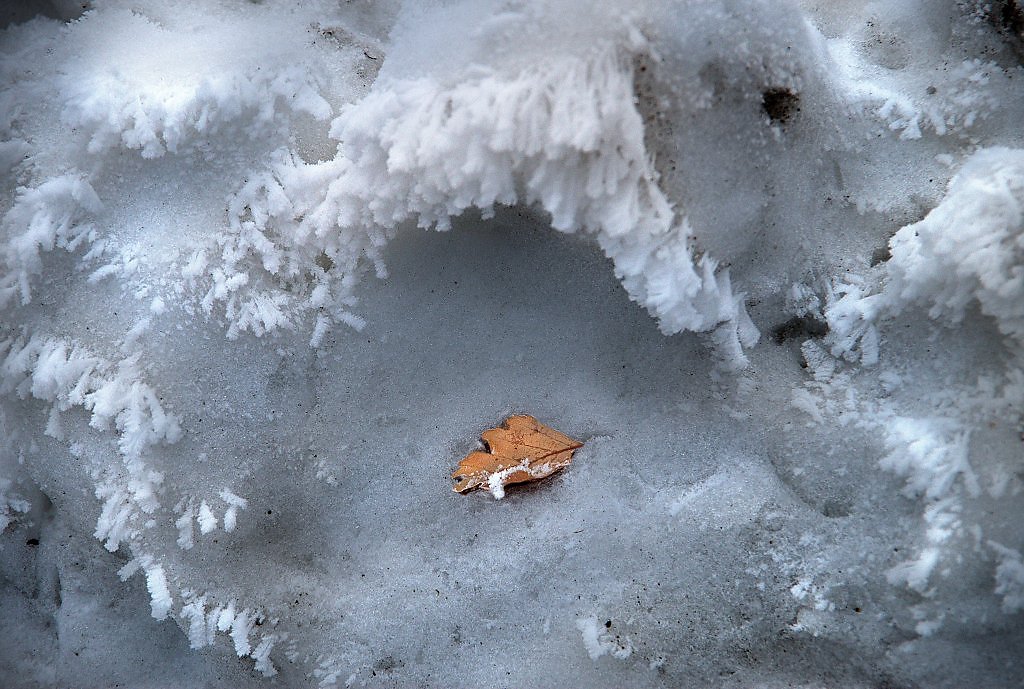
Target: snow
160, 597
1009, 577
206, 518
969, 248
49, 215
599, 640
267, 270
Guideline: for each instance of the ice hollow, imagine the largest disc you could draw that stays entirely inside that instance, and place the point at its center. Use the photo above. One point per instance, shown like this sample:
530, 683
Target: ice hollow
267, 272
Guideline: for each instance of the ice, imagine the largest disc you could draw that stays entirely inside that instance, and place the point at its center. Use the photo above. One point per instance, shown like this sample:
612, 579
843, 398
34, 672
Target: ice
267, 270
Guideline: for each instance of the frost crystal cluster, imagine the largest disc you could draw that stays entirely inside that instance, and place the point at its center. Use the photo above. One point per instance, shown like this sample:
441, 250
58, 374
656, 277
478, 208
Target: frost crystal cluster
267, 269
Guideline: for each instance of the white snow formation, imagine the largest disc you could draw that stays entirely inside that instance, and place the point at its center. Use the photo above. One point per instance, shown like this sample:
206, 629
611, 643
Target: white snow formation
267, 269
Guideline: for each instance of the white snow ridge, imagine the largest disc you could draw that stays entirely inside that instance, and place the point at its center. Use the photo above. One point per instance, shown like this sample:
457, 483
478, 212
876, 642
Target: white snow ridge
268, 270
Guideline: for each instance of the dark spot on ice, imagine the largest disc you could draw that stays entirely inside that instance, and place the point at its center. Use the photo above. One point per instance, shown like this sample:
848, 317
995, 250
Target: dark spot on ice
608, 624
835, 508
889, 683
388, 663
1011, 16
32, 542
780, 104
880, 255
799, 327
324, 262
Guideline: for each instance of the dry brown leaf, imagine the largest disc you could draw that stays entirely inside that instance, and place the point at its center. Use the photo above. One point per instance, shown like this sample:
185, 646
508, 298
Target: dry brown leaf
521, 449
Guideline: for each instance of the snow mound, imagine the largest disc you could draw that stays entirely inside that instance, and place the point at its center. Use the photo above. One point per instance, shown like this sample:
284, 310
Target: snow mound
202, 383
562, 134
969, 250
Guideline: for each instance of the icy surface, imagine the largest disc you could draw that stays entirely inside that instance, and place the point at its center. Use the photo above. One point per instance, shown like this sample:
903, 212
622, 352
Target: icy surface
268, 269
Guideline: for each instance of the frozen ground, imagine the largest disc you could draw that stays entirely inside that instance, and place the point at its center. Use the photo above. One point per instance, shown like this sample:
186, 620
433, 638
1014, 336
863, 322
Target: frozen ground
766, 259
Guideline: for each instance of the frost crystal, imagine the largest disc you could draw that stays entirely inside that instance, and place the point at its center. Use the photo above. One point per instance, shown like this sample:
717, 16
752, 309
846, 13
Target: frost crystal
265, 267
